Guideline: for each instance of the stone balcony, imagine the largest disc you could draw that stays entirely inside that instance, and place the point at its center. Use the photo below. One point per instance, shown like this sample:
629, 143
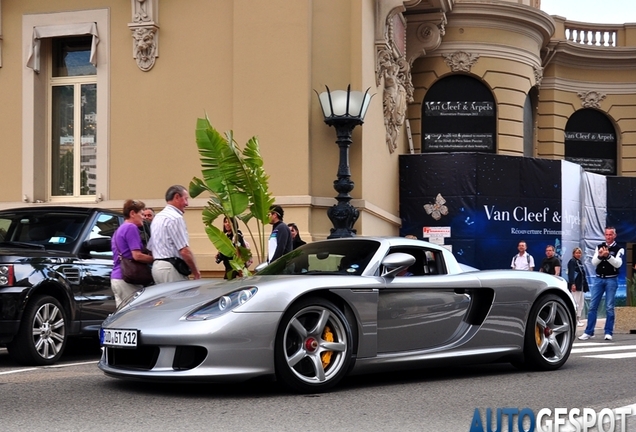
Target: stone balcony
595, 35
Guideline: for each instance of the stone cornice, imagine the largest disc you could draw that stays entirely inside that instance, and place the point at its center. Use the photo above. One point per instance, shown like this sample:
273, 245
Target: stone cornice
562, 84
581, 56
492, 50
512, 17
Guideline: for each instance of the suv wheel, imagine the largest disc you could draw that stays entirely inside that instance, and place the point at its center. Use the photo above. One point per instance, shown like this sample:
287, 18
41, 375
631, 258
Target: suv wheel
42, 335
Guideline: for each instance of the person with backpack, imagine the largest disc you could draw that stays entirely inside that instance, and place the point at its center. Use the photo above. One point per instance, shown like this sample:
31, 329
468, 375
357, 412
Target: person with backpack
523, 260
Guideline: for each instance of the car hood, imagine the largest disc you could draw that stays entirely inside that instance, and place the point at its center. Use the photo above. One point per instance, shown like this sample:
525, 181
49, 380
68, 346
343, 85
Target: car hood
173, 301
16, 255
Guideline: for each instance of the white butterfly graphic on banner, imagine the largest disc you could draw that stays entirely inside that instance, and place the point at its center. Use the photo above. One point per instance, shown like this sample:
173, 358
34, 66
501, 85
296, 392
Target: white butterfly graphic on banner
438, 209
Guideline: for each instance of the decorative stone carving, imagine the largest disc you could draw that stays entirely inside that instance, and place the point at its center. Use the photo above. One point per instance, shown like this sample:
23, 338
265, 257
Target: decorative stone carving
538, 76
460, 61
397, 46
424, 34
395, 72
591, 99
145, 32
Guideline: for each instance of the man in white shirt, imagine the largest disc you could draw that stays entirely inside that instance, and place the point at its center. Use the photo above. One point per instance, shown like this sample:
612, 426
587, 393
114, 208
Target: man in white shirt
169, 241
523, 260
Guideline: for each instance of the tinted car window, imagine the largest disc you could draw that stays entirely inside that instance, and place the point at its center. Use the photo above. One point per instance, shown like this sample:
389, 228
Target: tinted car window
49, 231
347, 257
104, 227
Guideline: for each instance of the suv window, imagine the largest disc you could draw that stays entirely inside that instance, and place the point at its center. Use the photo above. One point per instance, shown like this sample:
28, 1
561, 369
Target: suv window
50, 230
104, 227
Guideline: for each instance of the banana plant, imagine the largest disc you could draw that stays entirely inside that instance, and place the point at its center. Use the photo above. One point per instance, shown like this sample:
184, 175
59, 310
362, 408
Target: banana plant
238, 188
631, 291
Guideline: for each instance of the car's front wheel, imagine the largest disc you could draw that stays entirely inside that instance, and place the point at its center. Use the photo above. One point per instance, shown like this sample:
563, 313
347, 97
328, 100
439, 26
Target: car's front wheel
42, 335
549, 334
313, 346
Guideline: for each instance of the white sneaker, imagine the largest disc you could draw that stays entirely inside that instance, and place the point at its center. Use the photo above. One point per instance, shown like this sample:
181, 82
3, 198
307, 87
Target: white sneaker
608, 337
586, 336
580, 324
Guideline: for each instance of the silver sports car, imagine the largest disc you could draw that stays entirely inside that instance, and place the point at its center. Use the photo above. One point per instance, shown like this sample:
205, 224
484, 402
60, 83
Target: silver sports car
338, 307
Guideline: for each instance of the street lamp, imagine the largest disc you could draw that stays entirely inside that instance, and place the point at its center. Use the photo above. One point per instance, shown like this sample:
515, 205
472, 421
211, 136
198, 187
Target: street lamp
344, 110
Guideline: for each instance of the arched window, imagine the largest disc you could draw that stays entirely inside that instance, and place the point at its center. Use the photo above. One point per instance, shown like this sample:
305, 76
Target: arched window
590, 141
458, 115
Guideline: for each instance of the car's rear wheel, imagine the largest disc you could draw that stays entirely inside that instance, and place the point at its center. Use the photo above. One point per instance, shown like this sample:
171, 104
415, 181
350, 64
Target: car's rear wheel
42, 335
549, 334
313, 346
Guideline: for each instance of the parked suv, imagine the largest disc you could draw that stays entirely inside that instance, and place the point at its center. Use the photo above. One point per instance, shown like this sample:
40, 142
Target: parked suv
55, 265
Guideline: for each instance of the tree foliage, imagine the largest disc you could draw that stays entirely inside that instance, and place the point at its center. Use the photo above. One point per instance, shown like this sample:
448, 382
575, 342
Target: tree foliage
238, 188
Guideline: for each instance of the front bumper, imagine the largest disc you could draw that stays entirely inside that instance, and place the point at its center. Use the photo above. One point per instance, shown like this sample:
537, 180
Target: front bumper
234, 347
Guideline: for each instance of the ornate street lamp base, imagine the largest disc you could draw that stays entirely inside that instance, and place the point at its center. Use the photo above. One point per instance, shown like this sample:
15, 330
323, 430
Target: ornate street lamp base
343, 216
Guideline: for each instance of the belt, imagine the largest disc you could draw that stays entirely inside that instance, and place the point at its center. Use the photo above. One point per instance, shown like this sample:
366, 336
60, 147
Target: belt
606, 276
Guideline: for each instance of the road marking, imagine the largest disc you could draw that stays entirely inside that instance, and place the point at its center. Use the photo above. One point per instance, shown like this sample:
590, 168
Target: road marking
587, 344
613, 356
18, 371
48, 367
606, 347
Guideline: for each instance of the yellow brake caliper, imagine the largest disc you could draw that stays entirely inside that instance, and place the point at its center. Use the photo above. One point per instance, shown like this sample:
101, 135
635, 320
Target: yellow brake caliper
538, 335
326, 356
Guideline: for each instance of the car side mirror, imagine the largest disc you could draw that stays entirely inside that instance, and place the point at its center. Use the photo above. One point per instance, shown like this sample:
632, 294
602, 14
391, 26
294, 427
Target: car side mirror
396, 262
261, 266
101, 244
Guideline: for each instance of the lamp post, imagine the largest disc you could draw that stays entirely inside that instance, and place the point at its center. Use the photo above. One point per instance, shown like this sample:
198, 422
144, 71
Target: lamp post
344, 110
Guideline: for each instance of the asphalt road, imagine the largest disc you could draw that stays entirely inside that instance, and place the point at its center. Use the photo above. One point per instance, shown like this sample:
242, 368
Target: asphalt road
76, 396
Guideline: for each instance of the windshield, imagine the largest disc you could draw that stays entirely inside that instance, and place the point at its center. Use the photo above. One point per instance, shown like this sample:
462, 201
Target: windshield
50, 230
345, 257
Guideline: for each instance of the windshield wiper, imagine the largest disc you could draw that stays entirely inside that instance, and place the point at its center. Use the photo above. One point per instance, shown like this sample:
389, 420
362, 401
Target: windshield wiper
23, 244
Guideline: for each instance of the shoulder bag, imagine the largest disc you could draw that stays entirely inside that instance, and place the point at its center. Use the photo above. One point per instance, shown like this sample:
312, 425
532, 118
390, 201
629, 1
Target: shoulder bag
133, 272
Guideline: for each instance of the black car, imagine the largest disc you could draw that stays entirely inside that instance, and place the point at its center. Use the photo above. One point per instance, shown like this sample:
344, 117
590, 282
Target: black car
55, 265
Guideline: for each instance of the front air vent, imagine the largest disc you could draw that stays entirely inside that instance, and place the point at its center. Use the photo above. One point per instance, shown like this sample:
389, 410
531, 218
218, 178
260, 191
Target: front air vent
72, 274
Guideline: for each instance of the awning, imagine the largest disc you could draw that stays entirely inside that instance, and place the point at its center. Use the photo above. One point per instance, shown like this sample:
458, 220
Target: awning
41, 32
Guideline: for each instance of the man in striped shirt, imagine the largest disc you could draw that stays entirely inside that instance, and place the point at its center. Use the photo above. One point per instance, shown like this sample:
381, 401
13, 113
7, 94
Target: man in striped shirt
169, 242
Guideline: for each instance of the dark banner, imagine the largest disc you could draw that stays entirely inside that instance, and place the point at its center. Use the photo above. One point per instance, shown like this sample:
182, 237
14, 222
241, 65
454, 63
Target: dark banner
480, 206
621, 212
459, 115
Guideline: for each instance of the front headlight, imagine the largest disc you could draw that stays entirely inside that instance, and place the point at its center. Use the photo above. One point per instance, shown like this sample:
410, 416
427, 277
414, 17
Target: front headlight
6, 275
130, 299
222, 305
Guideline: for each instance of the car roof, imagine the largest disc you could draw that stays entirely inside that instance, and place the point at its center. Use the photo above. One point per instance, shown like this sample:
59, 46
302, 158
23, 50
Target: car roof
390, 241
54, 209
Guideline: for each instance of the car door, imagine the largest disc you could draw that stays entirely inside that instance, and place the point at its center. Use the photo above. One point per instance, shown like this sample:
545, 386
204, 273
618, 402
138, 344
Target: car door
97, 299
425, 309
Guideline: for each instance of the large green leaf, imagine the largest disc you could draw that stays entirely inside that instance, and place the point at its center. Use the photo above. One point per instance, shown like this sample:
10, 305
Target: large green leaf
221, 242
238, 188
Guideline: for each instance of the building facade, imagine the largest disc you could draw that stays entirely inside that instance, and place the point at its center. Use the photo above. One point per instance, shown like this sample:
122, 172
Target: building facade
100, 97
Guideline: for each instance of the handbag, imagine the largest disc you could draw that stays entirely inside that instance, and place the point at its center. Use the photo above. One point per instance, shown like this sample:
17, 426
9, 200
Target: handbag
180, 265
134, 272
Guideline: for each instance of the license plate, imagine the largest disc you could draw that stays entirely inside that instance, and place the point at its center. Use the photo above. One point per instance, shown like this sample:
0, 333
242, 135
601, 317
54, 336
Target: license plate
119, 338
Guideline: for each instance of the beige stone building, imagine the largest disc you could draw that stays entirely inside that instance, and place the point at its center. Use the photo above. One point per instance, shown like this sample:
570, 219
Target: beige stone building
100, 97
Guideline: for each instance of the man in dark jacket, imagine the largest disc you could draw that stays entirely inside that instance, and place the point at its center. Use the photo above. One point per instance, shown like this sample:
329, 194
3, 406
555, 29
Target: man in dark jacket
280, 240
608, 259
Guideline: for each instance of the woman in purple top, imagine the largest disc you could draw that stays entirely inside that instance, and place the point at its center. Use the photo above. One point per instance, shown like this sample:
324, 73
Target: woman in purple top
127, 241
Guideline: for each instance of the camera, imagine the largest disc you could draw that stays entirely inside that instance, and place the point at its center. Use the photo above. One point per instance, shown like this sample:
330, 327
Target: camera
218, 259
